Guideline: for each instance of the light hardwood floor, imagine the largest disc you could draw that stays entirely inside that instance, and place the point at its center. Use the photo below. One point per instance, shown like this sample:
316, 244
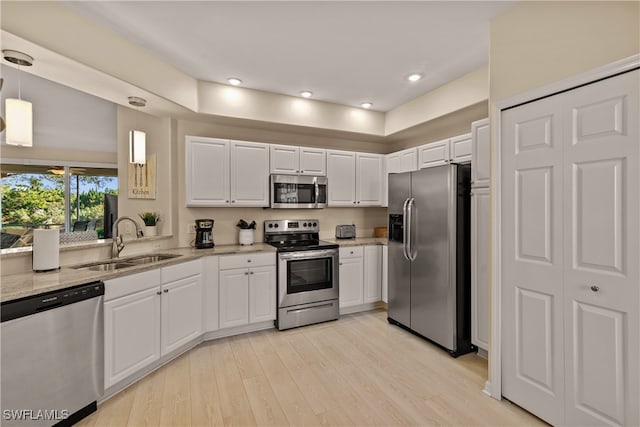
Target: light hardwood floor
356, 371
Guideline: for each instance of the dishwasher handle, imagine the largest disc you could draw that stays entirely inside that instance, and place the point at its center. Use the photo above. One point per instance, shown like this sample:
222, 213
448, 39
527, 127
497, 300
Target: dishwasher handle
27, 306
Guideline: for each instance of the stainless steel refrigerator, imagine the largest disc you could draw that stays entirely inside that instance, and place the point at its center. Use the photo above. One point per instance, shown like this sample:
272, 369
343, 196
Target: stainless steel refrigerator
429, 255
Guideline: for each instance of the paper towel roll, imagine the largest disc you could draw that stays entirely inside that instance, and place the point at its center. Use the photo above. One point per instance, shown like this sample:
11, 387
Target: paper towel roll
46, 250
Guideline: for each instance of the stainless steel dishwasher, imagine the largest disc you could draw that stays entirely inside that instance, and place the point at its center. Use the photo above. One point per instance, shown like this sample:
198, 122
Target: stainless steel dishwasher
52, 356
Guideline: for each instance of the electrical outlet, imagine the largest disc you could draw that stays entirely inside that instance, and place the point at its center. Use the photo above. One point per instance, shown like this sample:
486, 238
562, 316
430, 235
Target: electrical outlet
191, 228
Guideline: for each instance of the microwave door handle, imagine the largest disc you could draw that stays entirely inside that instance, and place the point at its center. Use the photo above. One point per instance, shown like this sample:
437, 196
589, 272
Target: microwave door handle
315, 183
411, 245
405, 228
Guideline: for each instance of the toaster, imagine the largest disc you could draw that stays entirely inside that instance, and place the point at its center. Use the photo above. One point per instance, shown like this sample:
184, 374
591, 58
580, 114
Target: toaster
346, 231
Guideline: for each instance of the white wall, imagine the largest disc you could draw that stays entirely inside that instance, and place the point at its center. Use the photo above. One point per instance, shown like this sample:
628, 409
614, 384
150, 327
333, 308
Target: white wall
63, 118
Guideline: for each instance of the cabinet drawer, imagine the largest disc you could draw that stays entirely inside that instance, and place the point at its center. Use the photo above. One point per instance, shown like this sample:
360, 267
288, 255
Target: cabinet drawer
257, 259
182, 270
352, 252
115, 288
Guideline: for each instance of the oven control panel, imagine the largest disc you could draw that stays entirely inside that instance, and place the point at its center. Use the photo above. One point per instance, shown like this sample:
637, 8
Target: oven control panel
289, 226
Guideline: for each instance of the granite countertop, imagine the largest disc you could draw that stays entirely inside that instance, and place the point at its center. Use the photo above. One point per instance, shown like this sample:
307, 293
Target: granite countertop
26, 284
359, 241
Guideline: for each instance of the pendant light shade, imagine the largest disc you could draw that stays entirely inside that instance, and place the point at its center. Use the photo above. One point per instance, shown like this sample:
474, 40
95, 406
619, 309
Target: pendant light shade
19, 119
137, 147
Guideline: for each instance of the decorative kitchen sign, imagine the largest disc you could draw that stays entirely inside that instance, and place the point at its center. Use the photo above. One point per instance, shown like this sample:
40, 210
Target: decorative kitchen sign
142, 179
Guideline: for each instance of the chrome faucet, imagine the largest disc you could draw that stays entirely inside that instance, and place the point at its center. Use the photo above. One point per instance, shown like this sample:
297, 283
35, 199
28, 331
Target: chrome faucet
118, 242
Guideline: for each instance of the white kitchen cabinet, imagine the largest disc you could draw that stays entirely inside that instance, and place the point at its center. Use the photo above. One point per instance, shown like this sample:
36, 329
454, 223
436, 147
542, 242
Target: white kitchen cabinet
341, 174
220, 172
249, 174
434, 154
291, 160
247, 289
480, 251
368, 179
351, 276
131, 333
460, 149
210, 306
372, 274
234, 297
403, 161
148, 315
480, 153
181, 313
262, 294
354, 178
207, 171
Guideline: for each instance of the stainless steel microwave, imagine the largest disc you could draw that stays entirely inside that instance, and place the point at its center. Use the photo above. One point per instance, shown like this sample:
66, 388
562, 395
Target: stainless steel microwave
298, 191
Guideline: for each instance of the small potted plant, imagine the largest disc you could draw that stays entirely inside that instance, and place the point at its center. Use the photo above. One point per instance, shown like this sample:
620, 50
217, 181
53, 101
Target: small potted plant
150, 220
246, 235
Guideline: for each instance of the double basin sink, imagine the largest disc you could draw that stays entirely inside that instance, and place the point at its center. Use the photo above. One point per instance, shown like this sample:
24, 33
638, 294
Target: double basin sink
117, 264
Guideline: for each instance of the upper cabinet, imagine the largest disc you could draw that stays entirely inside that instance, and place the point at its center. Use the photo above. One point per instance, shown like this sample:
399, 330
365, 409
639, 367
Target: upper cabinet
450, 150
354, 178
403, 161
207, 171
226, 173
480, 152
290, 160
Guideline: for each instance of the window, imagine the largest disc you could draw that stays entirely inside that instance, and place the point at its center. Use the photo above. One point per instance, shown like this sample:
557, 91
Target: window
70, 198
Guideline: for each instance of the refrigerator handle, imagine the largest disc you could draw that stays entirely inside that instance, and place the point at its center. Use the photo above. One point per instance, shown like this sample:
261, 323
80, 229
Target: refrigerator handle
410, 211
405, 229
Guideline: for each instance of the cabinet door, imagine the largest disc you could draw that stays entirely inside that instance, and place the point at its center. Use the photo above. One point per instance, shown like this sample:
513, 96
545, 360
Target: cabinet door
480, 250
480, 153
210, 290
313, 161
369, 179
351, 282
262, 294
234, 297
434, 154
207, 171
409, 160
461, 149
249, 174
394, 163
131, 334
284, 159
181, 312
341, 174
372, 273
385, 183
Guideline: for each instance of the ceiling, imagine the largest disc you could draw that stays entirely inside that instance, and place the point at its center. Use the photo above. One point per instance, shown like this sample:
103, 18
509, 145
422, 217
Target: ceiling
344, 52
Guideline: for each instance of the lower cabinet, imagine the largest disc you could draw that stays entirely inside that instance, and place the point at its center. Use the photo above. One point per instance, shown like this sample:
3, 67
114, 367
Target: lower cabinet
247, 295
480, 250
148, 315
360, 275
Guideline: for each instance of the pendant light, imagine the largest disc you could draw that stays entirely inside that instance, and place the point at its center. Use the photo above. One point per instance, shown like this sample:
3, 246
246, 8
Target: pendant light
19, 113
137, 138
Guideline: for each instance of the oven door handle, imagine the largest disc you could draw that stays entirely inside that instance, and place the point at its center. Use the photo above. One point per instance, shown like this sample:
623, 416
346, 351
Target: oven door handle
308, 254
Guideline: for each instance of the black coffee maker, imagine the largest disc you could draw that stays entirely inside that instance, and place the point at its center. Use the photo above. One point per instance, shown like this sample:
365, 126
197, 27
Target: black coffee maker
204, 233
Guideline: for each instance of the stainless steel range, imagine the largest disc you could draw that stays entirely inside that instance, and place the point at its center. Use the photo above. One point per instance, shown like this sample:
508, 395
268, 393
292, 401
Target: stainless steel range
308, 288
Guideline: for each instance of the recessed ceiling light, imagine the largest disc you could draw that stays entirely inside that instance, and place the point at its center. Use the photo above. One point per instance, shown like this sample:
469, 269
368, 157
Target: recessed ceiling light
414, 77
306, 94
234, 81
366, 105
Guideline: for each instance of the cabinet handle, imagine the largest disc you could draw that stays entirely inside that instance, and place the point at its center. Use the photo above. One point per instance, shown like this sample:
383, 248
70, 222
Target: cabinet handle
358, 201
226, 201
248, 260
351, 252
340, 263
158, 293
251, 272
166, 291
233, 201
246, 273
354, 202
595, 288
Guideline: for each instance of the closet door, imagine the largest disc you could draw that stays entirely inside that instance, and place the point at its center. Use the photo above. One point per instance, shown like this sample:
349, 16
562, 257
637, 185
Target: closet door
601, 235
532, 260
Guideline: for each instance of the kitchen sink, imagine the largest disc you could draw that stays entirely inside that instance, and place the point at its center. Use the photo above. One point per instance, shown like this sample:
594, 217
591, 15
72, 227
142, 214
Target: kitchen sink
146, 259
117, 264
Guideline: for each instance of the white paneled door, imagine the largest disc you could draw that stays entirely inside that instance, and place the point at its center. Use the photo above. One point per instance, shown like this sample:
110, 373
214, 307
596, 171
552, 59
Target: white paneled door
571, 256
